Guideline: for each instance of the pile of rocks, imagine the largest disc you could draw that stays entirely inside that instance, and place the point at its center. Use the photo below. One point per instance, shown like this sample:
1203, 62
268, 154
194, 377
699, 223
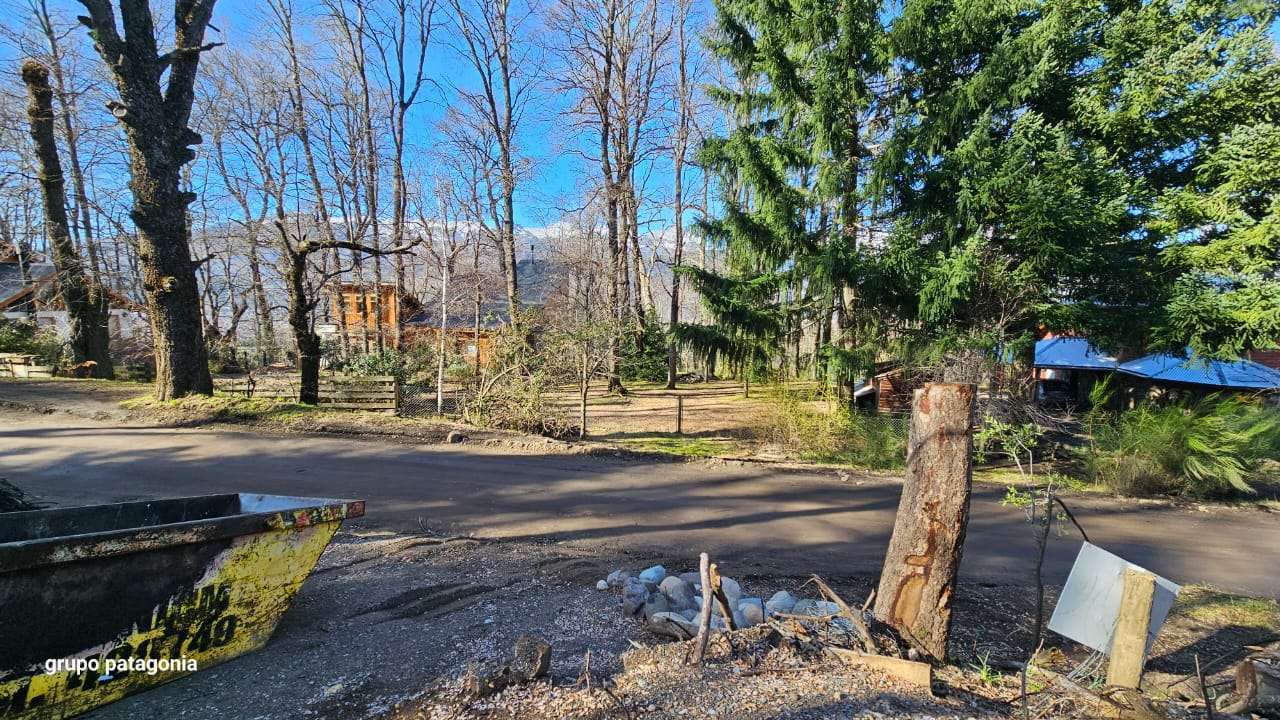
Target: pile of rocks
671, 605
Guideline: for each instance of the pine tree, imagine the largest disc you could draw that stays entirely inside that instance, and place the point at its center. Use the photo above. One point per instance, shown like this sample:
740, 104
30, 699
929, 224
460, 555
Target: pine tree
1048, 165
789, 171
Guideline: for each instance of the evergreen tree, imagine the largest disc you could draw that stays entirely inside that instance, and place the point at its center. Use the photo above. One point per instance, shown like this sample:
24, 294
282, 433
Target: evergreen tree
1052, 164
790, 172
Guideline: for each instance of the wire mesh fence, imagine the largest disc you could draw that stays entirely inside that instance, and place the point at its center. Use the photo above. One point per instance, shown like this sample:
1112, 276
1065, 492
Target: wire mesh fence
421, 401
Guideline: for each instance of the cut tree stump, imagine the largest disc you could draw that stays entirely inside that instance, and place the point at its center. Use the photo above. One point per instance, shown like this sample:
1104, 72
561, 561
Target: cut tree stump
919, 576
1257, 689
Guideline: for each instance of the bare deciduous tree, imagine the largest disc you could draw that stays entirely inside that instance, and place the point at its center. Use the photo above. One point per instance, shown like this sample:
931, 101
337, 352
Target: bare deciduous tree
84, 300
156, 93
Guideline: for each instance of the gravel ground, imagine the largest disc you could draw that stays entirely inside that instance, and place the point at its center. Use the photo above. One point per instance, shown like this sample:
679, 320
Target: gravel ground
388, 625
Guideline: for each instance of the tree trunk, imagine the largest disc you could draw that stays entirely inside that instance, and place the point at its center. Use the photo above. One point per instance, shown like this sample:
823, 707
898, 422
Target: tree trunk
444, 323
261, 306
583, 390
478, 299
917, 584
299, 321
156, 93
66, 103
84, 300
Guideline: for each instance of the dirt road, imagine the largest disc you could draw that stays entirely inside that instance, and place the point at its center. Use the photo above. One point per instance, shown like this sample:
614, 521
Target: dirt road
758, 518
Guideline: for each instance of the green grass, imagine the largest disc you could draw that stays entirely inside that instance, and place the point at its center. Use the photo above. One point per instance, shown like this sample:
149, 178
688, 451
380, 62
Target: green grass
673, 444
1210, 606
224, 407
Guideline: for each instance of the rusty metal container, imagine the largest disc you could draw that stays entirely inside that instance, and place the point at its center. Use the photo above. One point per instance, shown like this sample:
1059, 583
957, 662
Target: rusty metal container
98, 602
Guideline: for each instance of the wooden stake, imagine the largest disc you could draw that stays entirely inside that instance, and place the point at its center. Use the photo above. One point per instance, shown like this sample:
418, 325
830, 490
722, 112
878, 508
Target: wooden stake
918, 581
679, 414
721, 599
1129, 644
704, 625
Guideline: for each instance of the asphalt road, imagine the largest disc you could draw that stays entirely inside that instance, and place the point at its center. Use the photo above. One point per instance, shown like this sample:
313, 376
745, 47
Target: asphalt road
756, 518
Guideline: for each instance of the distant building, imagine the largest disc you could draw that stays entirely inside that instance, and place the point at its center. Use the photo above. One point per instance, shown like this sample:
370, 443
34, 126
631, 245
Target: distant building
1067, 368
419, 320
31, 293
362, 325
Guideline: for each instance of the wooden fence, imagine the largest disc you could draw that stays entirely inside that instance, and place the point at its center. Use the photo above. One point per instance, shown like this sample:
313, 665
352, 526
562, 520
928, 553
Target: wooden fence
18, 365
376, 392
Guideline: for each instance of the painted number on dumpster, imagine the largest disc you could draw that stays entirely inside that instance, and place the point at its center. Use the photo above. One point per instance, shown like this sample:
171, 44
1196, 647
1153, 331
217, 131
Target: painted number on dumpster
190, 623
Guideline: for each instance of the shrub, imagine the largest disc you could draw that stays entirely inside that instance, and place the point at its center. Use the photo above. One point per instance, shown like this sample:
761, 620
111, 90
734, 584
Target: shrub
25, 337
516, 401
837, 436
414, 363
1202, 448
644, 354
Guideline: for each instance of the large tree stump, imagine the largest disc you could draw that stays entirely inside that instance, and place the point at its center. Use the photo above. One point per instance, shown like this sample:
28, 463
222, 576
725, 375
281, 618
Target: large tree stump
919, 575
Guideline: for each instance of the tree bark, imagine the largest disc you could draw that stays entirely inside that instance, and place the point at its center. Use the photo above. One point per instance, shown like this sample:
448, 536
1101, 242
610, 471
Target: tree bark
917, 584
155, 120
84, 300
67, 104
678, 157
300, 322
444, 324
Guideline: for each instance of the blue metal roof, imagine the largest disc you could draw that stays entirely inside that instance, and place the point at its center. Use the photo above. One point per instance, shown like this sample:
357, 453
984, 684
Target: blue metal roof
1072, 353
1199, 371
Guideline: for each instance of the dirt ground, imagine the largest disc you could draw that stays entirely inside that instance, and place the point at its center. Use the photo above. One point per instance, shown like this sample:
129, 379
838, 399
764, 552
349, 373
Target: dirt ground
388, 624
397, 611
718, 418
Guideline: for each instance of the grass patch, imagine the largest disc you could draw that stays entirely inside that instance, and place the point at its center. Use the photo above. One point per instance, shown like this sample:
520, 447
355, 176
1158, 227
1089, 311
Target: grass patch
200, 409
223, 407
1220, 609
673, 444
810, 426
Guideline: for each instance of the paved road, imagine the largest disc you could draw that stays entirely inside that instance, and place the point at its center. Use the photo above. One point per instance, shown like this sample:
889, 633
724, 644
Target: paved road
761, 519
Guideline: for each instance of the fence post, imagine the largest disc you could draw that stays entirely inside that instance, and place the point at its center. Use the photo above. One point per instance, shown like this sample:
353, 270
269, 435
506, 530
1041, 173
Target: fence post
917, 583
1129, 644
679, 414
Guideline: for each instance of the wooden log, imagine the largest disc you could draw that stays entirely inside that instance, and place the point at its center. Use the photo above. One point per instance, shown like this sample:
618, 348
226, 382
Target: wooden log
721, 599
1257, 689
1129, 643
917, 673
918, 580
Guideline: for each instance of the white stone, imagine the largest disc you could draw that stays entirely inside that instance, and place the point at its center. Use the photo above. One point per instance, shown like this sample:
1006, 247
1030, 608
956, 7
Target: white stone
781, 602
602, 585
732, 590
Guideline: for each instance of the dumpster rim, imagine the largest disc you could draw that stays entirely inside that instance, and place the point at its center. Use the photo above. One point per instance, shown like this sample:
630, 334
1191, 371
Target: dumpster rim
39, 552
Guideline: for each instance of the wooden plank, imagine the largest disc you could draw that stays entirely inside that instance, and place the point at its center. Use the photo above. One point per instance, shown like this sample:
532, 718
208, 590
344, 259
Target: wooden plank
359, 406
917, 673
1129, 644
918, 581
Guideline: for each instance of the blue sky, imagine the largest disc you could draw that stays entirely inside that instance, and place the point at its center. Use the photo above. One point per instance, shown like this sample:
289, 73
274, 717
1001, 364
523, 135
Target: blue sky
551, 184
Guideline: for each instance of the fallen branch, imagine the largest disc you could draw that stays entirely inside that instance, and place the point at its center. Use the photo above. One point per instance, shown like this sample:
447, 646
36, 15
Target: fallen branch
859, 624
917, 673
721, 599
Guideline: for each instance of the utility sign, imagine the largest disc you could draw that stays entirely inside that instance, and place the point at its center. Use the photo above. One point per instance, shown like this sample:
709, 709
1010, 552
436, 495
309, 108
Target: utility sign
1089, 606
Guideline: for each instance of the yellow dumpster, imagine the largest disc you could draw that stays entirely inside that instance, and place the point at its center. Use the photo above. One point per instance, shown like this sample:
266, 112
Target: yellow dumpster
98, 602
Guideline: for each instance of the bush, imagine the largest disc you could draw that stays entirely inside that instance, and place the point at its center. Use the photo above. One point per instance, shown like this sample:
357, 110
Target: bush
877, 442
644, 354
415, 363
25, 337
1203, 448
515, 401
